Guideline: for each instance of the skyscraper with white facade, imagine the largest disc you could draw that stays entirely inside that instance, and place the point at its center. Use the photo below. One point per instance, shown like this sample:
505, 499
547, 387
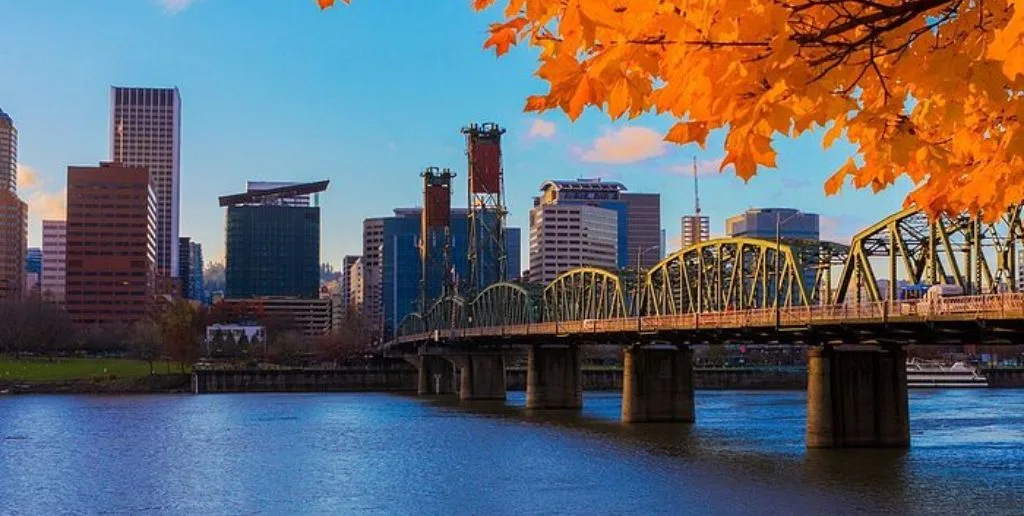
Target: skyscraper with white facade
567, 236
54, 260
145, 131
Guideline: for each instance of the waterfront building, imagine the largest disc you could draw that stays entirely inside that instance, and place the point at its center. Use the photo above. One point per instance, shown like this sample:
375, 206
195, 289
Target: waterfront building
273, 248
145, 131
311, 318
111, 244
54, 260
223, 334
8, 153
761, 223
694, 229
643, 229
564, 237
390, 264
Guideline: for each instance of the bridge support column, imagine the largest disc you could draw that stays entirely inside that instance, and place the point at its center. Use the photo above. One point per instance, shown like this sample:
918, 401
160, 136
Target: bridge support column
436, 375
554, 377
657, 384
857, 397
481, 375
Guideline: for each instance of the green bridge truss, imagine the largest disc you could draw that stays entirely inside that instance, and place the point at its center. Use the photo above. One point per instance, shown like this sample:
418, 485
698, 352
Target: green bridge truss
746, 273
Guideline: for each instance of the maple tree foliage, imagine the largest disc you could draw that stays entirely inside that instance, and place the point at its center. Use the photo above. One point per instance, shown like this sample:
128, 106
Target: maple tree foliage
929, 89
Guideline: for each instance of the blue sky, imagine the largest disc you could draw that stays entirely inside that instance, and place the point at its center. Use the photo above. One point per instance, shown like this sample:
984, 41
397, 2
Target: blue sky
367, 96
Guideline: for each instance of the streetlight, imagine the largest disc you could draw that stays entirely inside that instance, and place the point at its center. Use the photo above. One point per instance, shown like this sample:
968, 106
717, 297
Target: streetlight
778, 251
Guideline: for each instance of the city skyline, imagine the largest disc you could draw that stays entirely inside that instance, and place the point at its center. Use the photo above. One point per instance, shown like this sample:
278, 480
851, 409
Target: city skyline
311, 122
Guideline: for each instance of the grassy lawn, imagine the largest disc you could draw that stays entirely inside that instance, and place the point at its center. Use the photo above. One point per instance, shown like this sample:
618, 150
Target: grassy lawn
34, 369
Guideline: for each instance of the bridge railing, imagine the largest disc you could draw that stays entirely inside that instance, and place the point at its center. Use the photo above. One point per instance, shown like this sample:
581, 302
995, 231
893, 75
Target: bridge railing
943, 308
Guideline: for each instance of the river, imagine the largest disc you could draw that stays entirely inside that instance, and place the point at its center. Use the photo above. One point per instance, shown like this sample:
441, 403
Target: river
390, 454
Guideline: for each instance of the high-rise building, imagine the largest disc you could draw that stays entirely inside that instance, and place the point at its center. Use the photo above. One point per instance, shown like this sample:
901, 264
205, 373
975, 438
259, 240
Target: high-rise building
13, 214
184, 266
33, 269
761, 223
564, 237
273, 249
694, 230
354, 277
643, 229
13, 241
34, 260
111, 244
8, 153
145, 131
345, 289
514, 245
592, 192
190, 269
391, 270
196, 287
54, 260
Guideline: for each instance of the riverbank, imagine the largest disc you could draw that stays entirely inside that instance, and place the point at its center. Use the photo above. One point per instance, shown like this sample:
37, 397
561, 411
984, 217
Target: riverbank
150, 384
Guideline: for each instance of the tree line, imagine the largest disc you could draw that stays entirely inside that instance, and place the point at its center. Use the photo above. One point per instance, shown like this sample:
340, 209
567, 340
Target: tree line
175, 332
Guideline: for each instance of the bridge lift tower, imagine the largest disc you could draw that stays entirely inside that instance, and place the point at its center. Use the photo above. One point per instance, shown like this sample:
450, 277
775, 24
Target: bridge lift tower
436, 274
488, 252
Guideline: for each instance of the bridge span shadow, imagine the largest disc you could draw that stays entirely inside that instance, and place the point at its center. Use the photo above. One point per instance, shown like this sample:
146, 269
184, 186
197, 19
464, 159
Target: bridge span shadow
716, 444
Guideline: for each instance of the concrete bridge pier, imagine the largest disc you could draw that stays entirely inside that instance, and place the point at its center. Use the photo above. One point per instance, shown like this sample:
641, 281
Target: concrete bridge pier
436, 375
657, 383
857, 397
481, 375
554, 377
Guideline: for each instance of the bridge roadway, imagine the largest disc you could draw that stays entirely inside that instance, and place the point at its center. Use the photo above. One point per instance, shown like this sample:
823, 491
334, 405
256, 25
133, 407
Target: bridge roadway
857, 394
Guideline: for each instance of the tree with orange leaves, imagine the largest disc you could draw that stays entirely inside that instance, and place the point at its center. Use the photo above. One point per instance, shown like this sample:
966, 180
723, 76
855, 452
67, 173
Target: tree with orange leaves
928, 89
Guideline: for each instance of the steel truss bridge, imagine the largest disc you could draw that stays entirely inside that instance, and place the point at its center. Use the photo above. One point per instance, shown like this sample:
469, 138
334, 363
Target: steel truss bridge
753, 289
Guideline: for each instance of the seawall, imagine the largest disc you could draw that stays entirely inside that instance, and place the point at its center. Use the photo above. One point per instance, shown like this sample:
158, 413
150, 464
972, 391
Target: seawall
395, 378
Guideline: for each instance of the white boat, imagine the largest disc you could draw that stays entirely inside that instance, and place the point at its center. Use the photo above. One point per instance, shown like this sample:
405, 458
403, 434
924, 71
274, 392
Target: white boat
928, 374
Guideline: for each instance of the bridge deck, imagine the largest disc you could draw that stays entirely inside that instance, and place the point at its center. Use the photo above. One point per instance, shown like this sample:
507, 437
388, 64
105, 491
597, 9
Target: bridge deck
996, 312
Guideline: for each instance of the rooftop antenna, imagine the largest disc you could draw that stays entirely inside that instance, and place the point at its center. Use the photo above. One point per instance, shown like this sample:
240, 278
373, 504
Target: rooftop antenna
696, 200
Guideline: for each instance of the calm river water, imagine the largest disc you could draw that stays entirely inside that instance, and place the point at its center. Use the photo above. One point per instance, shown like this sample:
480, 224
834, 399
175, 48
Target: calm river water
388, 454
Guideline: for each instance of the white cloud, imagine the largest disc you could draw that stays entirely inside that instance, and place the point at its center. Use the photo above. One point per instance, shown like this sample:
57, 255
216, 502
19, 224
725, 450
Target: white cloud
27, 176
541, 129
44, 205
626, 145
176, 6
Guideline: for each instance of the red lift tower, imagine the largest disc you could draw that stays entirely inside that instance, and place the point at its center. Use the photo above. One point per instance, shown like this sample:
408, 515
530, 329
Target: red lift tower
487, 247
436, 237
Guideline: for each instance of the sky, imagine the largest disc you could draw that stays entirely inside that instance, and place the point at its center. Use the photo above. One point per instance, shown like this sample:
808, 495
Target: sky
366, 96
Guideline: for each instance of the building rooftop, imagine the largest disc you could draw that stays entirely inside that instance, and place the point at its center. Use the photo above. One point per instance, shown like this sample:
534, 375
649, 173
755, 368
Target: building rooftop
5, 117
583, 184
255, 196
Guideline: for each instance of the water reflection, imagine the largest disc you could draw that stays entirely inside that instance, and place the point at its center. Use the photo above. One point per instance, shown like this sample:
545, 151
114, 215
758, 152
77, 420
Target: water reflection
375, 453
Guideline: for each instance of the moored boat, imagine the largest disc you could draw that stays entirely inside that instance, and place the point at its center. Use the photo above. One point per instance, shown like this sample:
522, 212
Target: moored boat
929, 374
